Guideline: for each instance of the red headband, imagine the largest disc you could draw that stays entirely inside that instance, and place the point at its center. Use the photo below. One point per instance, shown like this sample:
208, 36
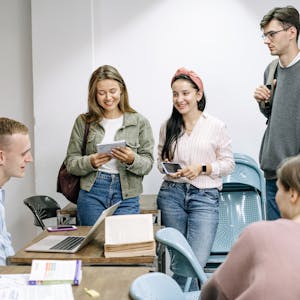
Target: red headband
191, 74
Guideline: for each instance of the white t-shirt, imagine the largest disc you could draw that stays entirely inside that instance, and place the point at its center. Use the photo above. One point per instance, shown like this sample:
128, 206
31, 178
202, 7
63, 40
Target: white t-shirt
111, 126
296, 59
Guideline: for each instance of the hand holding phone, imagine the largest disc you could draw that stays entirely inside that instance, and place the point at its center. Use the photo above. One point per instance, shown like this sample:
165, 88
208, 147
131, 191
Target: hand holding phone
62, 228
170, 167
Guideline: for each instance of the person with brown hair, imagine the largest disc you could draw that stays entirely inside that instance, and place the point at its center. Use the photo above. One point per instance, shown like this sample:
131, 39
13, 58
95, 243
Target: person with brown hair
280, 27
15, 154
264, 262
107, 178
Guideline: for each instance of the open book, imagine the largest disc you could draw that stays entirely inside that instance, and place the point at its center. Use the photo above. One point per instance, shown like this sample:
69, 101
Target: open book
55, 272
129, 235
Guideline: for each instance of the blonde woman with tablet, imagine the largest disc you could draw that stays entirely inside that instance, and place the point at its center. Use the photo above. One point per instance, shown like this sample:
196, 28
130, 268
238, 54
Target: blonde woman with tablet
107, 178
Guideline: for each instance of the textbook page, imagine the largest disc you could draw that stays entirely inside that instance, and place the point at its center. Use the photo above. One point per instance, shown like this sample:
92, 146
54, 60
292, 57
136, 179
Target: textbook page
126, 229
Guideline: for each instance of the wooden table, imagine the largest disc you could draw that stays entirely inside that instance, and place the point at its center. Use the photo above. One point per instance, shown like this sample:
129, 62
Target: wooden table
148, 205
91, 254
112, 283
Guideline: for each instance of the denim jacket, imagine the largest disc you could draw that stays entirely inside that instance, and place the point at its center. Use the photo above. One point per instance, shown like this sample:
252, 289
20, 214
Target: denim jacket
137, 132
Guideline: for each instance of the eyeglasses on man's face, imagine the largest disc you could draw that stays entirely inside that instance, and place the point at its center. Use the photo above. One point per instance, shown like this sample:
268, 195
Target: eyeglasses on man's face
271, 34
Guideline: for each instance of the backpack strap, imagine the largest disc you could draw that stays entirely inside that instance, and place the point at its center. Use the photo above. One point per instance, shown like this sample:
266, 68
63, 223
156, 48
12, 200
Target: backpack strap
271, 77
267, 105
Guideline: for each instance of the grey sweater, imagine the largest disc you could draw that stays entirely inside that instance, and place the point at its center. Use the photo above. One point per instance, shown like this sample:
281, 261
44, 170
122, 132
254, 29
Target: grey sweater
282, 136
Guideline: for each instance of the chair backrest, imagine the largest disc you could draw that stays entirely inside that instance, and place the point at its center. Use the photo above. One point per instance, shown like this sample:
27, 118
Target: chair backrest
155, 286
42, 207
237, 209
246, 175
183, 259
242, 202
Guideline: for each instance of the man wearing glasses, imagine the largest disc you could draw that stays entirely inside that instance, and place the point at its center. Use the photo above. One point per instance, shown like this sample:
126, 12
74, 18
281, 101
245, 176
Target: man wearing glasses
281, 139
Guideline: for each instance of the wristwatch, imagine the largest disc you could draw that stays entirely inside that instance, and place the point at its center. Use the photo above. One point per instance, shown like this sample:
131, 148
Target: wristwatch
203, 169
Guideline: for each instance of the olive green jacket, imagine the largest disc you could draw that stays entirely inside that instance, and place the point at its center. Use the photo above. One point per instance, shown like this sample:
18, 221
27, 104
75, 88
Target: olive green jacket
137, 132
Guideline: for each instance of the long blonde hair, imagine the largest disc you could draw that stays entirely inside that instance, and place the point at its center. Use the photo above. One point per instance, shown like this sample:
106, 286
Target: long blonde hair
95, 111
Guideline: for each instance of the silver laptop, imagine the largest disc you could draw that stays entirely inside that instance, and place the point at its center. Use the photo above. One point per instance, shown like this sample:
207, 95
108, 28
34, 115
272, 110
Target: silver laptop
71, 244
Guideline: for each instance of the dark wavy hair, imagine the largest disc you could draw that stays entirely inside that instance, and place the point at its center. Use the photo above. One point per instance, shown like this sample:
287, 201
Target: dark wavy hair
175, 126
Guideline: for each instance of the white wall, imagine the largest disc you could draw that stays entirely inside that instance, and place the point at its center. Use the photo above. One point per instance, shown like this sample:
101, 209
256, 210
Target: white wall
16, 102
147, 41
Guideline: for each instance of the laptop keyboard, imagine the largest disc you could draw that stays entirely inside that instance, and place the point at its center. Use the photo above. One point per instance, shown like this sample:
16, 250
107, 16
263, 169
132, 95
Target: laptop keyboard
68, 243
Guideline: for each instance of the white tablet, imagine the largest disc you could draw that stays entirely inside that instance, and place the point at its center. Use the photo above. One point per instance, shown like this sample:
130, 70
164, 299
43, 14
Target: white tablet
106, 148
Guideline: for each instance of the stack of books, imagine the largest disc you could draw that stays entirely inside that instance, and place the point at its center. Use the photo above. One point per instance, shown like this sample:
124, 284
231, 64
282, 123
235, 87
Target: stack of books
129, 235
55, 272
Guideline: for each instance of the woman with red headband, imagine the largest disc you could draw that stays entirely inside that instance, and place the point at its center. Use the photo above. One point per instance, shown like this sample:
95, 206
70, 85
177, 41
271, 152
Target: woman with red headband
189, 198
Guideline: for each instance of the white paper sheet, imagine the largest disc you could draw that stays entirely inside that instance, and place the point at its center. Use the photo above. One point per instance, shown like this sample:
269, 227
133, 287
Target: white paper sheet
14, 287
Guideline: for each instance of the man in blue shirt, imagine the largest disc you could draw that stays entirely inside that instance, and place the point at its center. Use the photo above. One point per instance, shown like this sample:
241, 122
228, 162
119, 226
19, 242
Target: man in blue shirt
15, 154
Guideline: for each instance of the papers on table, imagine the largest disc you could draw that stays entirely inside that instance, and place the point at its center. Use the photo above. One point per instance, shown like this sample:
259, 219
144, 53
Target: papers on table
8, 280
55, 272
15, 287
48, 272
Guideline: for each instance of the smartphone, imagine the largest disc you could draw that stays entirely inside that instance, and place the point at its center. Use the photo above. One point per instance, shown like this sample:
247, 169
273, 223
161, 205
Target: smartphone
62, 228
170, 167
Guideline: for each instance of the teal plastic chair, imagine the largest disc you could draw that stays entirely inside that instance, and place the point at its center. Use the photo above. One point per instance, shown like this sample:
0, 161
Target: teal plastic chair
242, 202
155, 286
183, 260
246, 174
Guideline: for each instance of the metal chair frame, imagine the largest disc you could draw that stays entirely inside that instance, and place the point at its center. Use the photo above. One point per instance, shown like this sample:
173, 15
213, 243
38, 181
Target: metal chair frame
42, 207
183, 259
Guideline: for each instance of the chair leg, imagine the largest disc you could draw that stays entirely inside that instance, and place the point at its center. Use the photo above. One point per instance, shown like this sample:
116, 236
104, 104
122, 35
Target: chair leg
187, 284
161, 255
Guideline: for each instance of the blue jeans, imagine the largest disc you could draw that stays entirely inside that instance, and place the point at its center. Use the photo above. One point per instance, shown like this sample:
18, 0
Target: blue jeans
195, 213
105, 192
273, 212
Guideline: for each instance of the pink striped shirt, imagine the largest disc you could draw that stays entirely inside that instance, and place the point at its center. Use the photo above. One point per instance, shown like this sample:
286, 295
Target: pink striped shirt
208, 143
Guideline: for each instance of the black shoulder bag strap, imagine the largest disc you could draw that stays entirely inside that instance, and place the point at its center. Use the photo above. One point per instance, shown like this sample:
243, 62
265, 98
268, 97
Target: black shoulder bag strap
270, 85
85, 136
